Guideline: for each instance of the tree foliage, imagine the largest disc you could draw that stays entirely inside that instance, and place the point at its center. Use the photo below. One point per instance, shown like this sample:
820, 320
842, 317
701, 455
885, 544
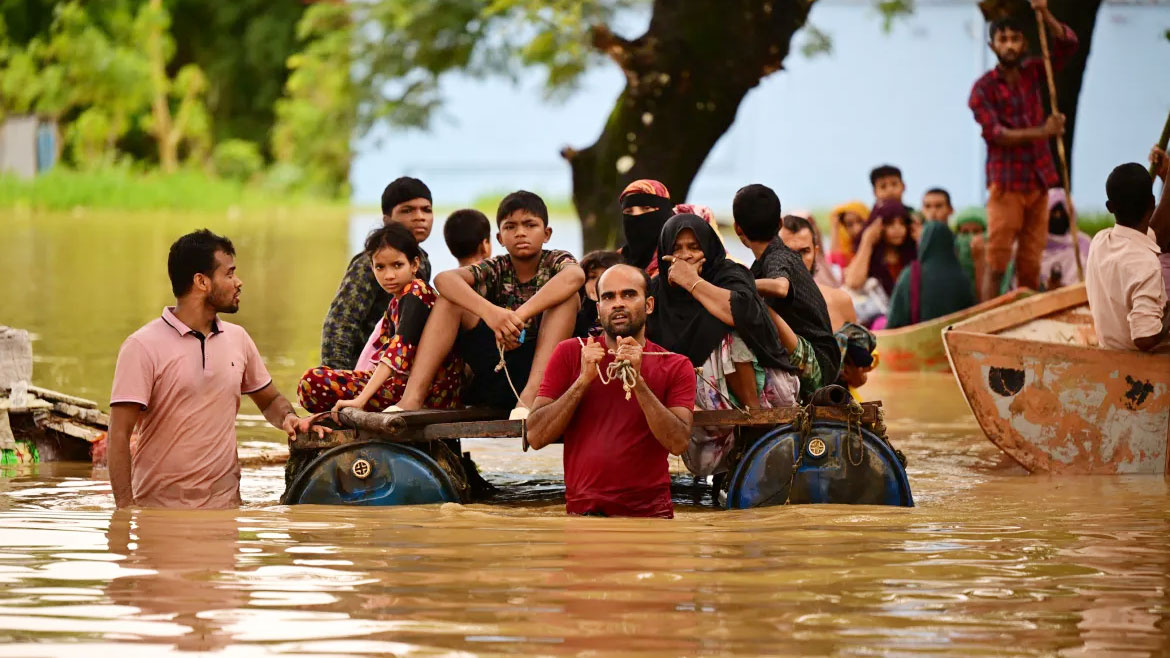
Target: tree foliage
315, 118
243, 47
406, 46
95, 76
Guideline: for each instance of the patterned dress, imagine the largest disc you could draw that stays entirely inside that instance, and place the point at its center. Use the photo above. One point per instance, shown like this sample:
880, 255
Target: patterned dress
400, 328
707, 452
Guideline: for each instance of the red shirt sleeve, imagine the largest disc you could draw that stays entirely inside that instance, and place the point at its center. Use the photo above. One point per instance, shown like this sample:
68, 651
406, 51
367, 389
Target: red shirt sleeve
1064, 46
680, 391
561, 370
984, 111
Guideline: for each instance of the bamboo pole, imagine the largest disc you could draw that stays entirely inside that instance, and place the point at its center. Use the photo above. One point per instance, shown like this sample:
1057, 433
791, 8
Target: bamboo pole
1162, 142
1072, 225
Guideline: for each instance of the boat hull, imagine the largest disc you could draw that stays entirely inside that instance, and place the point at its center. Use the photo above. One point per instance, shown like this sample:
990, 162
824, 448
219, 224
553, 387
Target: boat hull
919, 347
1063, 408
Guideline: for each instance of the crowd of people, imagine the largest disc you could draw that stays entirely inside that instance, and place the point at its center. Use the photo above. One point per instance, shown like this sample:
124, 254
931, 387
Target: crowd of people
614, 352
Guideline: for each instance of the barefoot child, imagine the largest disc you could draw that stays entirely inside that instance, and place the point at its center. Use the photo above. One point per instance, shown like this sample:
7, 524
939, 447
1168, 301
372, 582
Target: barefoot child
378, 382
523, 302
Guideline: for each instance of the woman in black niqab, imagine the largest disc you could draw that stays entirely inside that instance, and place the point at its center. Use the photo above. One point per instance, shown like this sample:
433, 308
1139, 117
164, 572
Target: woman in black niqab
716, 318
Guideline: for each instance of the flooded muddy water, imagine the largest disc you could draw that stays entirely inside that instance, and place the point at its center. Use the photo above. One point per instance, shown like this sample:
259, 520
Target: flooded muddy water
991, 561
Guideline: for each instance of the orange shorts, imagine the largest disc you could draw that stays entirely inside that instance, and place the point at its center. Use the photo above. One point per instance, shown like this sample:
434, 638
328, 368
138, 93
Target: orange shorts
1020, 220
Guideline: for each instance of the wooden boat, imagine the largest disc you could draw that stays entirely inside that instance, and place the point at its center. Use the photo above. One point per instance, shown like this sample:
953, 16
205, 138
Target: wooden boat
839, 454
919, 347
1045, 394
41, 425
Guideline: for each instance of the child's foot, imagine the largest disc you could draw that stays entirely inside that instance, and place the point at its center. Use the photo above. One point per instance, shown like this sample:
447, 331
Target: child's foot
406, 404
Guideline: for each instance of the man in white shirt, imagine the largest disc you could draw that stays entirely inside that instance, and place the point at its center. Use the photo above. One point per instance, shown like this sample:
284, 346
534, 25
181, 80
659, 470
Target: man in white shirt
1123, 278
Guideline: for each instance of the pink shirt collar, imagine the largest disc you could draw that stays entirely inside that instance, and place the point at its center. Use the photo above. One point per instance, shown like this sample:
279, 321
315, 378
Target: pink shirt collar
172, 320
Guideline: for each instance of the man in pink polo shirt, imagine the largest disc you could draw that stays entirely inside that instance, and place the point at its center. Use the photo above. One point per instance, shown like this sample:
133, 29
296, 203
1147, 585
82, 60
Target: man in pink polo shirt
179, 380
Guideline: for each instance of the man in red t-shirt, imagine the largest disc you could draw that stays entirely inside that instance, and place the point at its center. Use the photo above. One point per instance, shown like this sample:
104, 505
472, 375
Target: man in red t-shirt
616, 449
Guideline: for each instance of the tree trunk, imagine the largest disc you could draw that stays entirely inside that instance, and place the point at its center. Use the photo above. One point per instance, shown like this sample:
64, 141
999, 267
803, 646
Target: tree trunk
685, 79
160, 104
1081, 16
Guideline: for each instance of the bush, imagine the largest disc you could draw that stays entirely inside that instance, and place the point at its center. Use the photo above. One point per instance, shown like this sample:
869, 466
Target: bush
124, 187
237, 159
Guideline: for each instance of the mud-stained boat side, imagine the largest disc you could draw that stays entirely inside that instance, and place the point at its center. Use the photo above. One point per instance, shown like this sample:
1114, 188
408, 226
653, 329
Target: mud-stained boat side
1048, 397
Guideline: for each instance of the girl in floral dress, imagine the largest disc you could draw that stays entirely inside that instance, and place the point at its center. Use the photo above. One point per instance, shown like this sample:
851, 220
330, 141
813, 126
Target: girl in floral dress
378, 382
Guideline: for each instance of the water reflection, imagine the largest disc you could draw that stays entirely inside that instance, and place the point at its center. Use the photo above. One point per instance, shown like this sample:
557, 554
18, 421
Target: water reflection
992, 561
1009, 565
175, 561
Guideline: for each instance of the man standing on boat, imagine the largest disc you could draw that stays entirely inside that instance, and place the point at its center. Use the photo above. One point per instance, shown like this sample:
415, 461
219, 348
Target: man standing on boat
618, 433
179, 380
1007, 104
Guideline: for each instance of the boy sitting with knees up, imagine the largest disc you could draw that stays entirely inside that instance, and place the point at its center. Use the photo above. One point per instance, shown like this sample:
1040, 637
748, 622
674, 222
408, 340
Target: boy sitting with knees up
522, 304
468, 235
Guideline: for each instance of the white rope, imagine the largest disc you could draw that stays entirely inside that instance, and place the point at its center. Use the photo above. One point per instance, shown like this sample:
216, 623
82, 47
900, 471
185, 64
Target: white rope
503, 365
622, 370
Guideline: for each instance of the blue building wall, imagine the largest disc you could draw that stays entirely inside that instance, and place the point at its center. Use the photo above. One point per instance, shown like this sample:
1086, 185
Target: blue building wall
812, 131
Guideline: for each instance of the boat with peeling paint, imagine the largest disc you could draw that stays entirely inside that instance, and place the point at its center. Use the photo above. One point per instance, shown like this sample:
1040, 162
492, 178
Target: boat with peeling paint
919, 347
1046, 395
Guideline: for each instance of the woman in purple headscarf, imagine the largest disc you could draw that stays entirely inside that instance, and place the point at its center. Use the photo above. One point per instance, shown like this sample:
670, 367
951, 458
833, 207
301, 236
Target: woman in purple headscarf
883, 249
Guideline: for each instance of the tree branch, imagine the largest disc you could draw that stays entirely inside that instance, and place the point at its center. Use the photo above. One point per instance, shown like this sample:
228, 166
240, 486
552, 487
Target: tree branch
617, 48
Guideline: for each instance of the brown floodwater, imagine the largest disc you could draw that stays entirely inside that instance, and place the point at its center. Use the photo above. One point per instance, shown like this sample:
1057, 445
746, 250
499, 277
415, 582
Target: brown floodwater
991, 561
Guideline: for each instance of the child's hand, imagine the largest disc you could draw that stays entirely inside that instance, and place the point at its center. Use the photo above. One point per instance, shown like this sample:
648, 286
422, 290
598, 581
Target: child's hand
504, 324
342, 404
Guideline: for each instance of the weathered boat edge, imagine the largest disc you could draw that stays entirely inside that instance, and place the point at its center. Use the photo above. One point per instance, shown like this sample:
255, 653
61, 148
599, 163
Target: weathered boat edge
1106, 445
919, 348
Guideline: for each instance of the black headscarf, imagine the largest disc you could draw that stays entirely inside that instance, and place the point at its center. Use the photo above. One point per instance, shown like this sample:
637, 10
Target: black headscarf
681, 324
642, 230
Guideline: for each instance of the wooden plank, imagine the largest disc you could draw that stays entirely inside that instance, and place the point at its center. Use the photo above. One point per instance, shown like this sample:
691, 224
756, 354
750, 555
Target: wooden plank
779, 416
31, 405
70, 428
57, 396
311, 441
488, 429
399, 422
85, 415
1025, 310
371, 428
266, 458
